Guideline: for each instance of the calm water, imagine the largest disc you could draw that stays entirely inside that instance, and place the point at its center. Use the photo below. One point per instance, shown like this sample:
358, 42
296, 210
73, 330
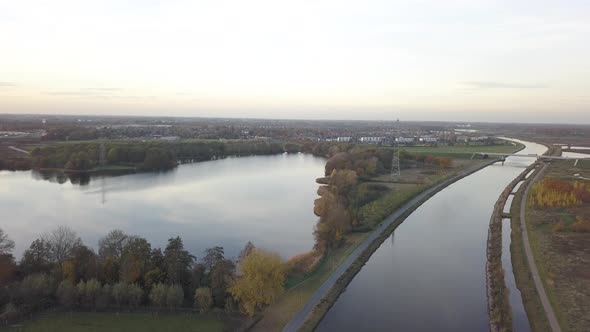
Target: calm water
430, 275
264, 199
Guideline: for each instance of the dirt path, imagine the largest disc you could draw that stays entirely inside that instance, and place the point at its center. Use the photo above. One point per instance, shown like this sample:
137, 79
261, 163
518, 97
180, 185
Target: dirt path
529, 256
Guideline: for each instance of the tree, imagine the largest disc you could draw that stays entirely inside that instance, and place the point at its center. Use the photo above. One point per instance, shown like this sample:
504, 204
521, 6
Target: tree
248, 248
36, 258
7, 269
203, 299
36, 290
6, 244
67, 294
112, 244
135, 260
61, 243
261, 280
212, 256
220, 279
178, 262
85, 262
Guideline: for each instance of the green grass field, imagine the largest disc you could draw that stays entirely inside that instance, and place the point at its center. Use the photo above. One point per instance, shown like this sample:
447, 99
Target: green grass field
125, 322
461, 151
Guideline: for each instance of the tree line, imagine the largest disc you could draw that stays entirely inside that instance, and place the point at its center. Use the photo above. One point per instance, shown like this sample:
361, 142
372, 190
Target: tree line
127, 273
151, 155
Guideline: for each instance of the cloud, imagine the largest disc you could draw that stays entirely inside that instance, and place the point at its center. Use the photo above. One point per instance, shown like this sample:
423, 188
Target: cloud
6, 84
503, 85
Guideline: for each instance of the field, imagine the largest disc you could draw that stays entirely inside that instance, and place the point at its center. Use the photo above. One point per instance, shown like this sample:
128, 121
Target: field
563, 257
461, 151
124, 322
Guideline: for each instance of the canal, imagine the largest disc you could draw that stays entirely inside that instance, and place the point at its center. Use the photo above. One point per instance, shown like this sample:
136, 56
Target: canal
430, 274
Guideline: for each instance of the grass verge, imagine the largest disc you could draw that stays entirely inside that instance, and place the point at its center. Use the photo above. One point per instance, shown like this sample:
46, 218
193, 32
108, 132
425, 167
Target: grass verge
124, 322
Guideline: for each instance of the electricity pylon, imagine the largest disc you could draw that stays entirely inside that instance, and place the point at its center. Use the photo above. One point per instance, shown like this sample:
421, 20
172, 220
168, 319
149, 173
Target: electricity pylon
395, 168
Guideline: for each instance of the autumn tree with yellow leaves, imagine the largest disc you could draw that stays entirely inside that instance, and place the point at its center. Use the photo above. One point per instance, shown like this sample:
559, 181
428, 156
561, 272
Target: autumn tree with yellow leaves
260, 281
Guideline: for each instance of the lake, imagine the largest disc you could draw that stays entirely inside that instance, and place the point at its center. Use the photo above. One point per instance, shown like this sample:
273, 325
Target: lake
264, 199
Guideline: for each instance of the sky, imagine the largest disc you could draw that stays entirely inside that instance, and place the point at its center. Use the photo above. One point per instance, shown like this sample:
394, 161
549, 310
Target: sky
457, 60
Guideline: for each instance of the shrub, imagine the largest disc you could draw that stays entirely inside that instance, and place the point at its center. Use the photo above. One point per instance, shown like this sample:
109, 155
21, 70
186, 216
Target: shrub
581, 226
158, 295
135, 294
67, 293
203, 299
174, 296
559, 227
120, 293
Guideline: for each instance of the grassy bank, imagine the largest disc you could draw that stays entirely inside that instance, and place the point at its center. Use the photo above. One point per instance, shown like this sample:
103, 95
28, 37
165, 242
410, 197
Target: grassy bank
124, 322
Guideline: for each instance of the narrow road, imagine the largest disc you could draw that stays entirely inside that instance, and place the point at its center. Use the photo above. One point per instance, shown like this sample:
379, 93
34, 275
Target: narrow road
321, 292
531, 260
19, 150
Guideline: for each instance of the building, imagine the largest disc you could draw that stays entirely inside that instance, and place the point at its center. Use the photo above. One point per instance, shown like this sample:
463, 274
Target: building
405, 140
344, 139
372, 140
428, 139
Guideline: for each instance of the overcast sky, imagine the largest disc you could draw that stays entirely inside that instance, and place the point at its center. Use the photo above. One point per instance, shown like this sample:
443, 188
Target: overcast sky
464, 60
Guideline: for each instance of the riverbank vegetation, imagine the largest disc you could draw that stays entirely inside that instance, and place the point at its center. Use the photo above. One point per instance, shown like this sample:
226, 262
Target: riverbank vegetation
87, 156
127, 275
559, 232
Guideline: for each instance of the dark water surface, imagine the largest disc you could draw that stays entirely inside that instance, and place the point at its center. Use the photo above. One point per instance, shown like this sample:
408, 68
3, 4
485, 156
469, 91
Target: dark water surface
430, 275
264, 199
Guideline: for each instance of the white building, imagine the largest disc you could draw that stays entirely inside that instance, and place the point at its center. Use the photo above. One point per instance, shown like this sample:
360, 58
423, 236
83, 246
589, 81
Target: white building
372, 140
344, 139
479, 138
405, 139
428, 139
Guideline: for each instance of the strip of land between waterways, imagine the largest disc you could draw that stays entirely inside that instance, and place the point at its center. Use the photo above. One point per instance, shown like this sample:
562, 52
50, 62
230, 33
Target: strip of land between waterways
326, 295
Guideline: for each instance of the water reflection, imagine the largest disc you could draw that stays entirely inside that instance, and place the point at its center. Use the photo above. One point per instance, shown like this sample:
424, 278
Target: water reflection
223, 202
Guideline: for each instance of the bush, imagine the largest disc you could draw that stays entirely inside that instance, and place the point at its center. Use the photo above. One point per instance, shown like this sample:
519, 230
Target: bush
158, 295
203, 299
67, 294
581, 226
135, 294
104, 297
120, 293
174, 296
559, 227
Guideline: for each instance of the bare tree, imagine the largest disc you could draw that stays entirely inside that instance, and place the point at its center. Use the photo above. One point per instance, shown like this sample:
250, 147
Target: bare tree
6, 244
112, 244
61, 243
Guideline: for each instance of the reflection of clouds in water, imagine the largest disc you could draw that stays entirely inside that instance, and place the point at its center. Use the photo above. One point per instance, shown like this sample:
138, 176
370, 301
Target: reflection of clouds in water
225, 202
